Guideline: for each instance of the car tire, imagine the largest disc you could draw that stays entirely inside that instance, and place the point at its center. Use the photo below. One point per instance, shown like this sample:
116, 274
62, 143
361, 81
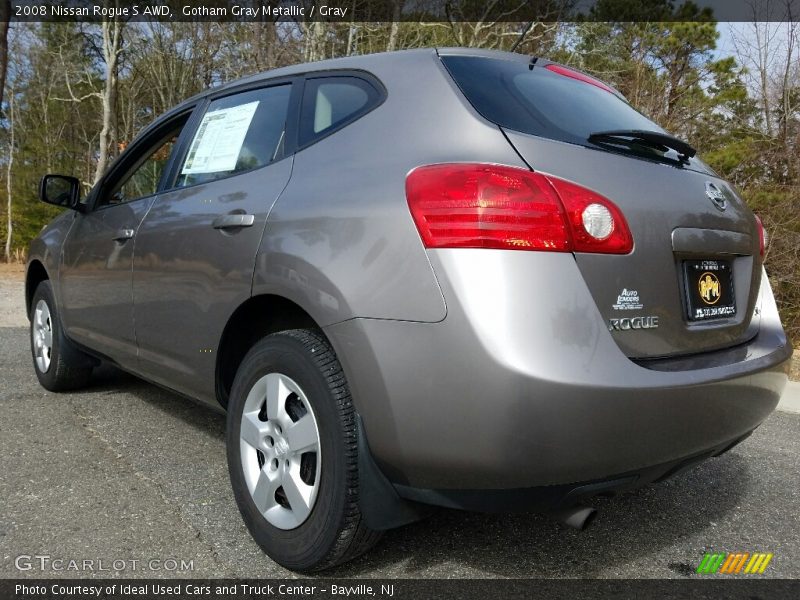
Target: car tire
305, 520
59, 366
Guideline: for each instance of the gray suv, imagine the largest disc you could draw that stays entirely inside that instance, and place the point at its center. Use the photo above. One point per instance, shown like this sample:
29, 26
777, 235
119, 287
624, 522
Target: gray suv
428, 278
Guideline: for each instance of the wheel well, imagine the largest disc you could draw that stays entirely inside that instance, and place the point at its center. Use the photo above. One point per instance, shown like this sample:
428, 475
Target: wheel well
256, 318
36, 275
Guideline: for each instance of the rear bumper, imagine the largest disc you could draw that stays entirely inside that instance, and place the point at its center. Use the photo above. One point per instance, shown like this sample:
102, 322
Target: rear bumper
546, 498
513, 390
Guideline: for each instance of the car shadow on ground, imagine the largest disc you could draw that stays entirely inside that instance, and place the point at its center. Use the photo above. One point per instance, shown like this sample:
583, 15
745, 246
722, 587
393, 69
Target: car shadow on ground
630, 527
109, 380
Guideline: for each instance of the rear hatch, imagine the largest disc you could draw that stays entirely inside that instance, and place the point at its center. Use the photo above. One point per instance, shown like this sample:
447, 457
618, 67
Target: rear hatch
691, 282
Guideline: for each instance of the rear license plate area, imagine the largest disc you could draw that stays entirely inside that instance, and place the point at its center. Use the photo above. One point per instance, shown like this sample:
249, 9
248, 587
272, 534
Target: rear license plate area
709, 289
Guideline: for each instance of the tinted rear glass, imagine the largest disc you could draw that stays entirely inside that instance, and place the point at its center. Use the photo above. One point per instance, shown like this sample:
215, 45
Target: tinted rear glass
539, 101
331, 102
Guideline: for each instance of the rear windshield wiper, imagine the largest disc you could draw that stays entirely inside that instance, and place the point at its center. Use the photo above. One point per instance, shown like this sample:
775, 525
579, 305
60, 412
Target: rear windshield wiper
651, 139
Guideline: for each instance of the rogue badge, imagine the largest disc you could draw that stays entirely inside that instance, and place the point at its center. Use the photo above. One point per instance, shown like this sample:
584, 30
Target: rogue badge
627, 324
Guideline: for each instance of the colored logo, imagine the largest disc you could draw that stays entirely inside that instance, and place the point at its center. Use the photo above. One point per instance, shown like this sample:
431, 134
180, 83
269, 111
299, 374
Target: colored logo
710, 288
734, 563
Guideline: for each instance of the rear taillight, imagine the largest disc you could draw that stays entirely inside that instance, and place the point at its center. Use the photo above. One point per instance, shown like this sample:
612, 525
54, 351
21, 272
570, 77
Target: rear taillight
494, 206
762, 236
584, 207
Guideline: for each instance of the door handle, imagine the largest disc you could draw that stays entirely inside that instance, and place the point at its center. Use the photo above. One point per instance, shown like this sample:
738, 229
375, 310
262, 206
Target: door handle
233, 221
123, 235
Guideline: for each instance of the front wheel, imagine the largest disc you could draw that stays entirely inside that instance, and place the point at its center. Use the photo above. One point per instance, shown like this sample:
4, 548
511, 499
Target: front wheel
58, 365
293, 453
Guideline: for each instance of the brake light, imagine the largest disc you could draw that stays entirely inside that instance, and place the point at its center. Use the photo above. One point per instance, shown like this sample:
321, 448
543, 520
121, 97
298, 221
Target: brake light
494, 206
567, 72
762, 236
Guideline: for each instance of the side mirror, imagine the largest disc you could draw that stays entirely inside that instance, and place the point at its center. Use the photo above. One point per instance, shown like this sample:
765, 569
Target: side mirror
60, 190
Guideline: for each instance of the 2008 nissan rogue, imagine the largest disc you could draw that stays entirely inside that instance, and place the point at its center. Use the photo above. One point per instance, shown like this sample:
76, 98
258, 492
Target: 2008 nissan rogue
459, 278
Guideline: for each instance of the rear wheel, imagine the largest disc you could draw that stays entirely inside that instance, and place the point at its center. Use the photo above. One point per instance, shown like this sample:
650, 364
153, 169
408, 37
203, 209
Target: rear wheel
293, 455
58, 365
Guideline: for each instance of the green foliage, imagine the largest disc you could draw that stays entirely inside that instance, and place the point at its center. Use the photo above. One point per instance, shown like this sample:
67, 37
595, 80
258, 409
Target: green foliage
730, 157
778, 208
663, 68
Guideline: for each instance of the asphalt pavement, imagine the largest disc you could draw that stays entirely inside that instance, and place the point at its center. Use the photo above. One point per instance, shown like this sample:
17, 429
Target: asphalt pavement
125, 471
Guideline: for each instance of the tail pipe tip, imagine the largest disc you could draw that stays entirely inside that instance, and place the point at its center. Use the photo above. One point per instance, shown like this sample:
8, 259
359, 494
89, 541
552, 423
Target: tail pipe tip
577, 517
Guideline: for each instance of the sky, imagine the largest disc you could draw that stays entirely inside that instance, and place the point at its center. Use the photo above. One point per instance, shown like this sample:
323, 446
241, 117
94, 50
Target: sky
727, 31
725, 43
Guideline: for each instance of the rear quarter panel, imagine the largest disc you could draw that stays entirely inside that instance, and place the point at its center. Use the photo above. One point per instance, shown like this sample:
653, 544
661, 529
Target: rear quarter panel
340, 240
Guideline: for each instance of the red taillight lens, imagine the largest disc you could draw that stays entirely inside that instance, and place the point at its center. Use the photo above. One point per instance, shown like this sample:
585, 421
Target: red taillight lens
576, 201
493, 206
762, 236
485, 206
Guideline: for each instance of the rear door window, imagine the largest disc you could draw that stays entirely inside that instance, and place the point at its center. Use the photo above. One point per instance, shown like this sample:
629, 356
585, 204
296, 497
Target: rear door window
536, 100
330, 103
237, 133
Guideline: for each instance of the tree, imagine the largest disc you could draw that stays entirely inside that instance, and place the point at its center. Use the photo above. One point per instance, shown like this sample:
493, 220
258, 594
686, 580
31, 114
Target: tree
5, 22
769, 51
112, 48
667, 68
9, 175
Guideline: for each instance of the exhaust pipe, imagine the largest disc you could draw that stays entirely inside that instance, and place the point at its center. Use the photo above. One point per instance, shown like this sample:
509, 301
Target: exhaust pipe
577, 517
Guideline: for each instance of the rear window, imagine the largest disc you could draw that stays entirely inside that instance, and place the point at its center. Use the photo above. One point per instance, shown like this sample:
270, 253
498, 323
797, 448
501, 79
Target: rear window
541, 102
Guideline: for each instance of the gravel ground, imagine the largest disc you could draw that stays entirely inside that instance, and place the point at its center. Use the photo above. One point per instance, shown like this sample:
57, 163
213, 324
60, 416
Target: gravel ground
127, 471
12, 298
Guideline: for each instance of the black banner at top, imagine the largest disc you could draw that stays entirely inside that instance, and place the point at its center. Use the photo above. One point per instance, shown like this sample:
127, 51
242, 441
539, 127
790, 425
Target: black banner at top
347, 11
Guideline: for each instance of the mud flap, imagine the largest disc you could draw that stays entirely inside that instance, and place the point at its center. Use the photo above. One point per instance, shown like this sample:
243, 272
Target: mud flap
380, 505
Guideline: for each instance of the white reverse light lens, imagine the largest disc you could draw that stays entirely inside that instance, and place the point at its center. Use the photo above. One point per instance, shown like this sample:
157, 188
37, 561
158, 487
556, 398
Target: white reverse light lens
598, 221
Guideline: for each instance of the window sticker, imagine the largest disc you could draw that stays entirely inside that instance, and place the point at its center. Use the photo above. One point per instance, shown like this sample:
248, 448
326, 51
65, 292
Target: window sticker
218, 141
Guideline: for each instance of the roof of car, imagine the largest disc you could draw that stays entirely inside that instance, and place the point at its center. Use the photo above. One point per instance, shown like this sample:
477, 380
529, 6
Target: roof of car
355, 62
359, 61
